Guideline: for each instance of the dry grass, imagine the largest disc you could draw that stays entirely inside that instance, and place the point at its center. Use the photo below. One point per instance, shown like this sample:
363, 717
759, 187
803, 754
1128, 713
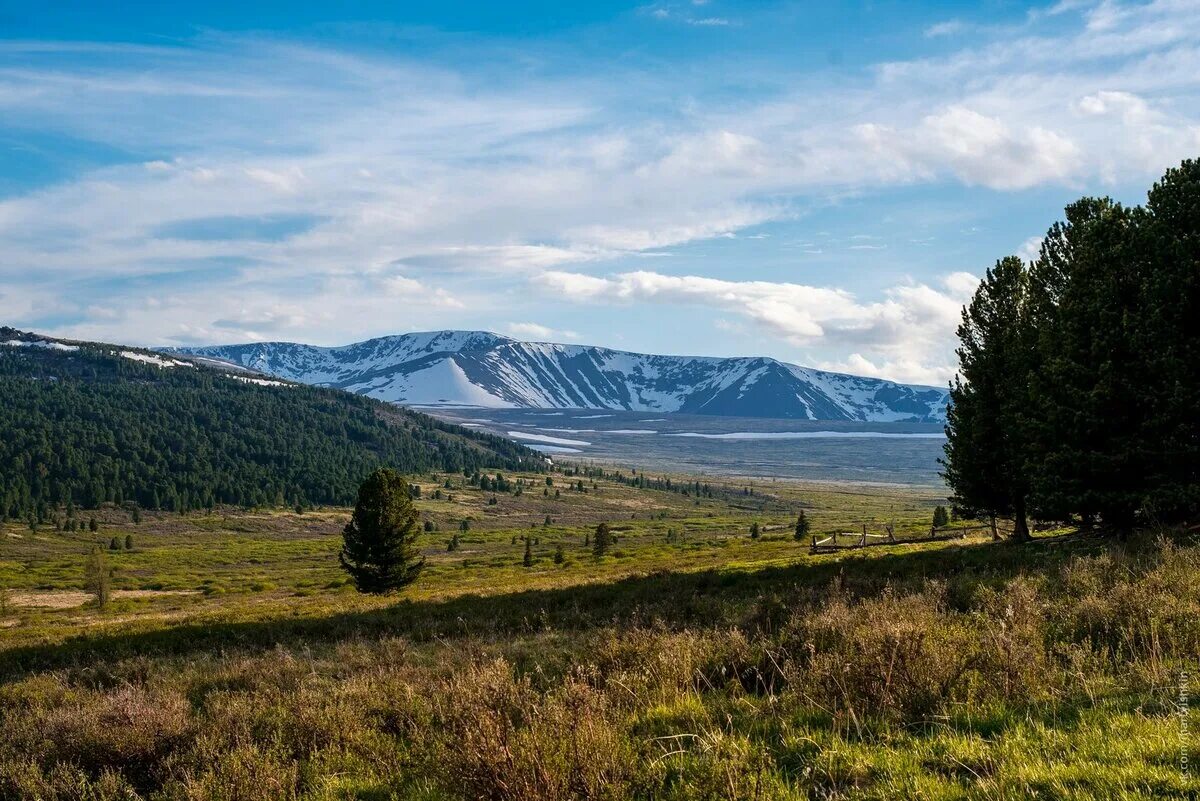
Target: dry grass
1023, 676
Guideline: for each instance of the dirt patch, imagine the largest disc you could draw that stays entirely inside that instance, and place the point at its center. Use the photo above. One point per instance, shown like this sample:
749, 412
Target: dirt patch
69, 599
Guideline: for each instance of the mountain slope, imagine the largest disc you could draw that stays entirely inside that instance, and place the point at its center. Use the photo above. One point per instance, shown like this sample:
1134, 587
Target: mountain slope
92, 423
474, 368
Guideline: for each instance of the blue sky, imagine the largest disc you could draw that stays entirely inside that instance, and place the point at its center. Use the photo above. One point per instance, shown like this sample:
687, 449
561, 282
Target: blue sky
819, 182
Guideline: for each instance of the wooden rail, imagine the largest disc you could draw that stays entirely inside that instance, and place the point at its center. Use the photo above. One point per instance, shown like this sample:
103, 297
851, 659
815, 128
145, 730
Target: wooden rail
864, 539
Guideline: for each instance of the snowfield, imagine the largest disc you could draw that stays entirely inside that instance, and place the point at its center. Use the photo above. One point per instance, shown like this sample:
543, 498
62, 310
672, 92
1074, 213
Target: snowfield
479, 369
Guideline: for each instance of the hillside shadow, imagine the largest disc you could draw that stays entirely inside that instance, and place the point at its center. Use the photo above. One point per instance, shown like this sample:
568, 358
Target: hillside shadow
669, 599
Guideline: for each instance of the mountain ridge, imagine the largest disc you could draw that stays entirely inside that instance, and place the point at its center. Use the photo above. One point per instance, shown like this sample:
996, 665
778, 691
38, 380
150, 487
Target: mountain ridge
484, 369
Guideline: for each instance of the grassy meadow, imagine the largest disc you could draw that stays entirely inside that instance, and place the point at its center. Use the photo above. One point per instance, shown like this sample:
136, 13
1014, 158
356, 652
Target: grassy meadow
692, 662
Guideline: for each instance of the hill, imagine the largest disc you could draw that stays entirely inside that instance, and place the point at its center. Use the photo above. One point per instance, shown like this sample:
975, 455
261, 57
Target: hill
477, 368
88, 423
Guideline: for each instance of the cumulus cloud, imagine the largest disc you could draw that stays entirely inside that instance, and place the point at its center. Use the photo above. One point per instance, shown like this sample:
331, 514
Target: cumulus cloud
909, 332
538, 332
437, 192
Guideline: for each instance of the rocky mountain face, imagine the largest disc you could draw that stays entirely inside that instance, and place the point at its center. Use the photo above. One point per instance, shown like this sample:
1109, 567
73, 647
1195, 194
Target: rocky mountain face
477, 368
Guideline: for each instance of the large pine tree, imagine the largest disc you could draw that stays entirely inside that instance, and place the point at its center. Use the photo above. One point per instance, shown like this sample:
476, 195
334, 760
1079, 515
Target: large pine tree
985, 460
1170, 345
1085, 454
380, 549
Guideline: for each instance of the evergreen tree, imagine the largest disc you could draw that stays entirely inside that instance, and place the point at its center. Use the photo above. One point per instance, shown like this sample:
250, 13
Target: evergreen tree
114, 544
986, 420
754, 530
1170, 344
601, 540
1085, 456
93, 525
941, 517
560, 556
379, 548
453, 544
528, 559
98, 578
129, 542
801, 526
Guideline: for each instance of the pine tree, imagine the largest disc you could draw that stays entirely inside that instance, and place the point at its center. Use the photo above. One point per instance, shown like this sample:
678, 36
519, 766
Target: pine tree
941, 517
801, 527
114, 544
453, 544
986, 419
93, 525
754, 530
1085, 456
527, 560
1170, 343
98, 578
601, 540
129, 542
560, 555
379, 548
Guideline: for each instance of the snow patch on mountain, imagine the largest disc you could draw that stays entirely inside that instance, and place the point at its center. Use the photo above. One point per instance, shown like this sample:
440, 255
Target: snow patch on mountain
477, 368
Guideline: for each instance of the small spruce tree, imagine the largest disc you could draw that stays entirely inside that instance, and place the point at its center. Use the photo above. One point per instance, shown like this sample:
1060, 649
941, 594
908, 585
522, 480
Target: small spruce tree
754, 530
601, 541
379, 548
801, 526
528, 559
941, 517
129, 542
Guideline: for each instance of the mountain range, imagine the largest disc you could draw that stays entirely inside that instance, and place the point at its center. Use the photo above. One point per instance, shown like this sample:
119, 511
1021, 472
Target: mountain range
478, 368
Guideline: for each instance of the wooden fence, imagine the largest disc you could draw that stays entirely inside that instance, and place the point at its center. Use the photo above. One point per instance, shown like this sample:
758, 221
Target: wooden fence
851, 540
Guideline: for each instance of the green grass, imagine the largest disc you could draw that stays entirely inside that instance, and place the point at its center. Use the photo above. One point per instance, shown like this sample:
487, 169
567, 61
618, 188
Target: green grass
711, 666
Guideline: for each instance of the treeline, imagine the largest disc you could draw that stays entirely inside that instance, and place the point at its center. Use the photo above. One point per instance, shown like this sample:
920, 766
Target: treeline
1078, 395
89, 427
690, 489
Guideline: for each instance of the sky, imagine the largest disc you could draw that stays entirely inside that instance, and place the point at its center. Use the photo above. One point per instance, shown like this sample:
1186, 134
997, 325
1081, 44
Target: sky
823, 183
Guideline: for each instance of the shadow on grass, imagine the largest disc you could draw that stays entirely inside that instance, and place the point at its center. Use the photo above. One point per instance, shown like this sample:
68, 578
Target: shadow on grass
670, 599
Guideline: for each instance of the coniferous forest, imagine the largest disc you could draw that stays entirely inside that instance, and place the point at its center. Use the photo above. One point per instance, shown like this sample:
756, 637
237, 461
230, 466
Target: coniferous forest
87, 427
1078, 396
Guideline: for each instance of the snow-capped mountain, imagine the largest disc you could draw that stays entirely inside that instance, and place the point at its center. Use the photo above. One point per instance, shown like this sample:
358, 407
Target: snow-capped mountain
476, 368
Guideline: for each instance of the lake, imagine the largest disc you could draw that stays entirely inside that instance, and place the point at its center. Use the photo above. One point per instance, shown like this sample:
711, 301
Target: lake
894, 453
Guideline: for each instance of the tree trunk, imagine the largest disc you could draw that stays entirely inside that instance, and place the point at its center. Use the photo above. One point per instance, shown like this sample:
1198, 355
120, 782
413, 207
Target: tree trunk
1020, 522
995, 531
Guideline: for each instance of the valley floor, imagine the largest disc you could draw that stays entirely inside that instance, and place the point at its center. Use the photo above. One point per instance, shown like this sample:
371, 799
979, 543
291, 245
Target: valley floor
693, 661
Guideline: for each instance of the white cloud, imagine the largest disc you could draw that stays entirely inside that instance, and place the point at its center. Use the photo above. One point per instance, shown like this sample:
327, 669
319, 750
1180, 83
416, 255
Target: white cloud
949, 27
909, 332
538, 332
450, 188
1030, 249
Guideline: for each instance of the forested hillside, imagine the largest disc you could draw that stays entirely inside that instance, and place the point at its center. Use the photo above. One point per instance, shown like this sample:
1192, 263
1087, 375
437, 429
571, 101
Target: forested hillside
85, 424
